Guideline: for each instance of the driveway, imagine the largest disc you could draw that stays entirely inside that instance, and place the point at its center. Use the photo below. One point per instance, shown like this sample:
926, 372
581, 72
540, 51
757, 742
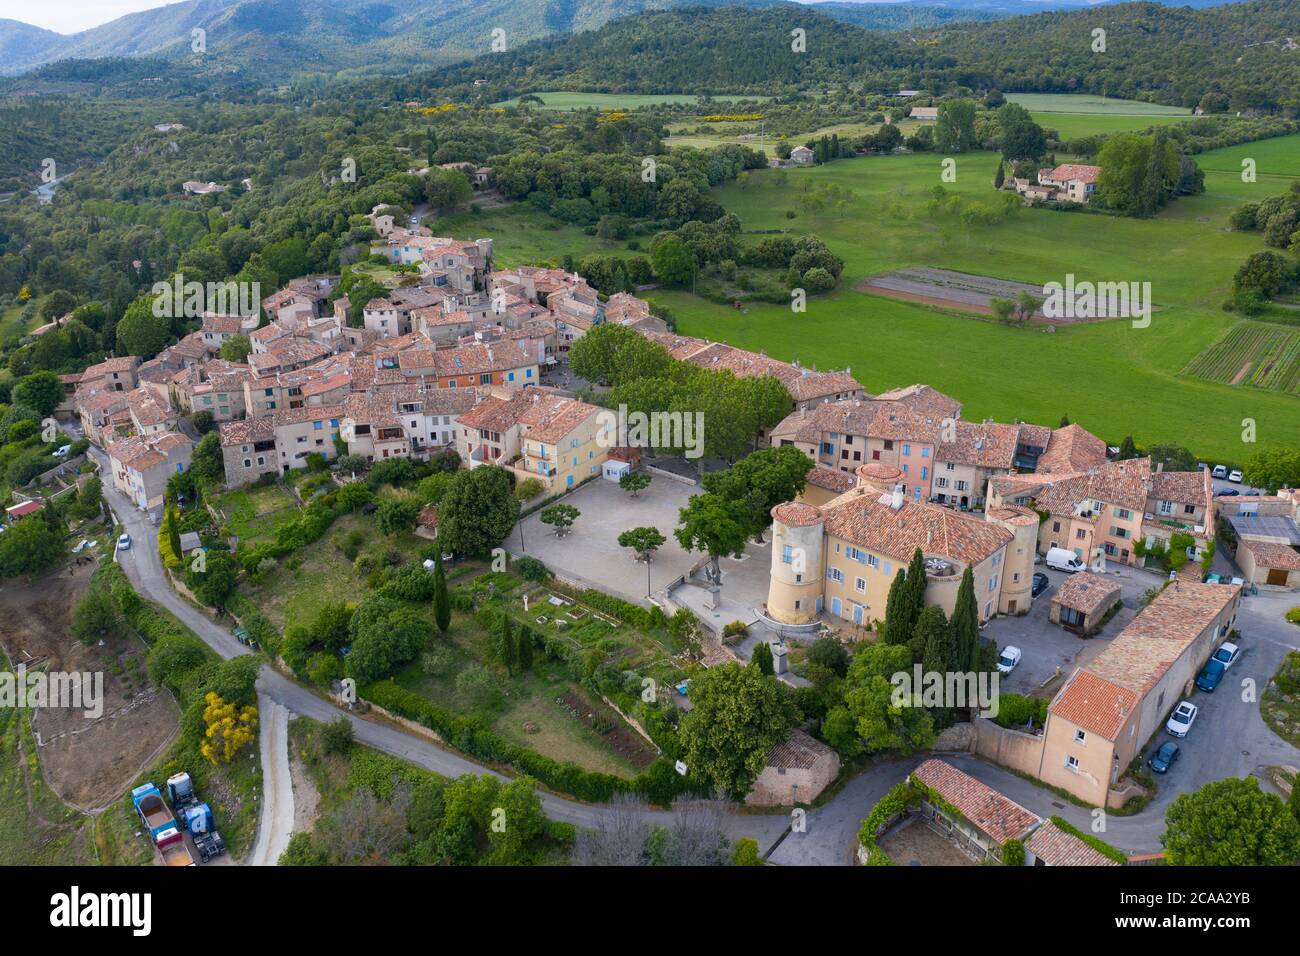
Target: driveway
276, 824
1046, 647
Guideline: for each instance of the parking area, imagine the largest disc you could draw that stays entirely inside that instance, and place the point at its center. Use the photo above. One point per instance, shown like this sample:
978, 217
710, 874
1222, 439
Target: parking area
1045, 646
590, 553
1229, 737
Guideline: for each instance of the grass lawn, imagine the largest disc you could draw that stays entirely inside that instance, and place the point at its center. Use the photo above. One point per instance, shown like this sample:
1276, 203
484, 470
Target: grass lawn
611, 101
523, 709
1074, 115
1110, 377
295, 590
252, 514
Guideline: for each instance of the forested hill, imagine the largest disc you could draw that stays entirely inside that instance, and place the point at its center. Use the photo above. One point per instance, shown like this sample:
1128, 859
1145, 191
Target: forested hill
1169, 55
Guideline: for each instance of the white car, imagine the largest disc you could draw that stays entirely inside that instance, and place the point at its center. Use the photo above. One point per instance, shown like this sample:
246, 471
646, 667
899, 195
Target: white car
1234, 476
1181, 720
62, 451
124, 543
1008, 660
1220, 471
1227, 654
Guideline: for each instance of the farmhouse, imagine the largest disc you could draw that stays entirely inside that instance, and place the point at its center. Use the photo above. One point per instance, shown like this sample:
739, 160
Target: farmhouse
802, 156
1073, 182
926, 114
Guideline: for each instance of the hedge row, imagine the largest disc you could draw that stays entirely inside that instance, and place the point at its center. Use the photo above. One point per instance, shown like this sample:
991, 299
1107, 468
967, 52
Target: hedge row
891, 806
660, 783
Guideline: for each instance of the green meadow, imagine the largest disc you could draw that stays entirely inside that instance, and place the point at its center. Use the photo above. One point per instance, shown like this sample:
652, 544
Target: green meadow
1074, 115
1110, 377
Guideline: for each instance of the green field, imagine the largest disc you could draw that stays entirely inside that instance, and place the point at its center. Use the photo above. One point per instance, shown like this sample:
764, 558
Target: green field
630, 101
1073, 115
1253, 353
1110, 377
522, 234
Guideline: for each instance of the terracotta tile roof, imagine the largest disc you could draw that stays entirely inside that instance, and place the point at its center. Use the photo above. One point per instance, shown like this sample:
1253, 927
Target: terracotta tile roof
1057, 847
1095, 704
1184, 487
1086, 592
1141, 653
797, 514
868, 521
924, 399
1068, 172
145, 451
123, 363
224, 324
994, 813
247, 431
1270, 554
1121, 483
550, 418
307, 413
830, 479
799, 752
1072, 448
982, 444
496, 413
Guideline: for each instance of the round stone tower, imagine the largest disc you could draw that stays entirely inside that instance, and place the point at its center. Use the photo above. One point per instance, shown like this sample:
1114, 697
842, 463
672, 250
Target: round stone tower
798, 533
1017, 576
877, 477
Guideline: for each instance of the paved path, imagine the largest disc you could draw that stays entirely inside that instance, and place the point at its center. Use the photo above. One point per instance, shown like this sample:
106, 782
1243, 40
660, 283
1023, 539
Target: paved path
276, 825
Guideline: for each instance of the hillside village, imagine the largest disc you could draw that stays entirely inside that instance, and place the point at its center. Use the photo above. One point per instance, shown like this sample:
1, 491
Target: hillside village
467, 359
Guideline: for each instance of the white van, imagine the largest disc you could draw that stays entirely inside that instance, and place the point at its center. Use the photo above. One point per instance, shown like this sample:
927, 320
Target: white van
1063, 560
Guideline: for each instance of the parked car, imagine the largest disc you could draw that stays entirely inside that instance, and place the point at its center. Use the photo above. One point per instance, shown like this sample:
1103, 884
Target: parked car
1063, 560
62, 451
1181, 720
1008, 660
1227, 493
1210, 675
1234, 475
1227, 654
1220, 471
124, 543
1164, 757
1040, 583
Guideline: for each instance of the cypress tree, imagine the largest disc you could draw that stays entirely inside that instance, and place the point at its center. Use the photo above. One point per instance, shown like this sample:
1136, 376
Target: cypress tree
999, 178
505, 644
174, 535
966, 625
932, 645
441, 601
895, 610
524, 649
762, 658
1127, 449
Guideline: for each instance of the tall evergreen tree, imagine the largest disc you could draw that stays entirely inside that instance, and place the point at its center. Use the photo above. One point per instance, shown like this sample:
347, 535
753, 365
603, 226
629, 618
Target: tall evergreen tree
505, 647
174, 534
932, 644
999, 177
906, 598
762, 658
441, 600
524, 649
1127, 449
966, 624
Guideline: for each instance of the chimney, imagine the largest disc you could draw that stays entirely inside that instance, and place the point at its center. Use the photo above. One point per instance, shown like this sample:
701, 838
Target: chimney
896, 501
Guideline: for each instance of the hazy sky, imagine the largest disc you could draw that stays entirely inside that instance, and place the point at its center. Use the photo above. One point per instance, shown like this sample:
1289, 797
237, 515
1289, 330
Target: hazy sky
70, 16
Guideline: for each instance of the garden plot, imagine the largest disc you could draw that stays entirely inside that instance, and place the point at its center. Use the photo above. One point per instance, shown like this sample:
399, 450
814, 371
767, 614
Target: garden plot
948, 289
1253, 353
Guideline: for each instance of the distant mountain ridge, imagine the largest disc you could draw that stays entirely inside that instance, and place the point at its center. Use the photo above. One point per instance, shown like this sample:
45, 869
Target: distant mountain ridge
282, 39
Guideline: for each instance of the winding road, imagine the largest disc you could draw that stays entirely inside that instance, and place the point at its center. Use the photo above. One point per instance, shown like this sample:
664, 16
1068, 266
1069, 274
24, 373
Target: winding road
829, 831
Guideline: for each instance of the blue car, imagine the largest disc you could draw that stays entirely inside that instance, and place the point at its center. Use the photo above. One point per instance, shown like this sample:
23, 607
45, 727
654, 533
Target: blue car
1210, 675
1164, 757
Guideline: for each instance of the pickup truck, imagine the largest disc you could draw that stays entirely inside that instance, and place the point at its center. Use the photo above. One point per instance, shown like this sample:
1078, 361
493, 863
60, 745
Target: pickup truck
153, 811
172, 850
